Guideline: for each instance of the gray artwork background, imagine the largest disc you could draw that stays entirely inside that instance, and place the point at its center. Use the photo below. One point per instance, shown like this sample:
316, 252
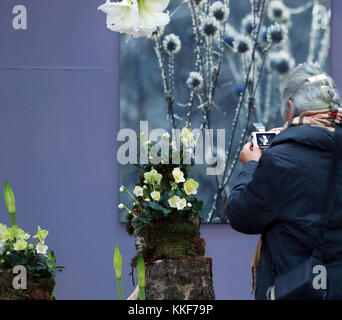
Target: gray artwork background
142, 96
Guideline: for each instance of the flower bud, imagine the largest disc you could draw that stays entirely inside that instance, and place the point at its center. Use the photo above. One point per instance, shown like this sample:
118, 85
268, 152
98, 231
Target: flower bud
9, 197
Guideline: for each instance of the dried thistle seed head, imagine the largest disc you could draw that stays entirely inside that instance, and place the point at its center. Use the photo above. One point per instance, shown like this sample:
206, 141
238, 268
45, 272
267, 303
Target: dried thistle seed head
277, 34
281, 61
242, 44
230, 35
172, 44
195, 81
210, 27
278, 12
248, 24
219, 11
158, 32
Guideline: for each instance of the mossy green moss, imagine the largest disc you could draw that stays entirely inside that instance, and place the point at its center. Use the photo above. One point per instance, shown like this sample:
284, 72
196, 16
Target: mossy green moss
173, 237
37, 288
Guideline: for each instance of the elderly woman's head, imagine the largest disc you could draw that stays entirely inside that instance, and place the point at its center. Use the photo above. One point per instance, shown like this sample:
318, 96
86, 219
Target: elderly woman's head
304, 91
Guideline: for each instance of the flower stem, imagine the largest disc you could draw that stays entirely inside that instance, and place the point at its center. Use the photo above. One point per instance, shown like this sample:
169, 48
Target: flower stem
13, 219
120, 291
142, 293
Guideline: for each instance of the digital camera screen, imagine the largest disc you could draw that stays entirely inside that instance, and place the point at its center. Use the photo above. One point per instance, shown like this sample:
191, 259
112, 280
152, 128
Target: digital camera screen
265, 139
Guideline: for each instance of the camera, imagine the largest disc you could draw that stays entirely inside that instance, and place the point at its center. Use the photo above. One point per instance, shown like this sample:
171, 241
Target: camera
262, 138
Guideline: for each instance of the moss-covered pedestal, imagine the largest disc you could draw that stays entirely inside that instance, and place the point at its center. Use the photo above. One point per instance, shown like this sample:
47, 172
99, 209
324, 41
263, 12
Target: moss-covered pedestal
175, 265
37, 288
187, 279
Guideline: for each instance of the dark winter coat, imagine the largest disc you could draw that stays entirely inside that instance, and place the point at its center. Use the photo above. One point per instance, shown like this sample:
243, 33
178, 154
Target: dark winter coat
283, 198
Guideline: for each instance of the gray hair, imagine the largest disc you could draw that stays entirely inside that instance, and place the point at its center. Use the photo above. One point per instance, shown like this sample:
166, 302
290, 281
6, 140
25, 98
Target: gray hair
315, 95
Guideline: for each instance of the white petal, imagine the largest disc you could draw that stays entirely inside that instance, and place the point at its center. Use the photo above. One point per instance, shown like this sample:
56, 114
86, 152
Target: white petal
157, 5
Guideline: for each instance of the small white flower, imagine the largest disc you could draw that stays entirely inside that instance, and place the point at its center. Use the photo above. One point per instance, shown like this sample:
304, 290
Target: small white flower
147, 199
195, 81
155, 195
277, 34
219, 11
189, 205
173, 201
121, 189
145, 187
209, 27
242, 44
121, 206
181, 204
172, 44
138, 191
178, 175
41, 248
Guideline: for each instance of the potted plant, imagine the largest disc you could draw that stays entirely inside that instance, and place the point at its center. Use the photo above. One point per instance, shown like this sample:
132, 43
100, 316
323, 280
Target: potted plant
30, 255
165, 220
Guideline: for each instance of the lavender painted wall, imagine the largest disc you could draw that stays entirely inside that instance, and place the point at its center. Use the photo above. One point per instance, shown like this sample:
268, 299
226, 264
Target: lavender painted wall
59, 115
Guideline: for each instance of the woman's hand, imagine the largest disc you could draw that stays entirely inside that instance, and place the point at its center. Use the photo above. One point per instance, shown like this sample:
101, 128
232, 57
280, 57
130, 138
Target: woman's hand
250, 153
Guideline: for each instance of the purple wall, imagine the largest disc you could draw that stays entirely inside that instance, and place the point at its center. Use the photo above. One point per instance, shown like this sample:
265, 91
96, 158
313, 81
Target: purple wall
59, 115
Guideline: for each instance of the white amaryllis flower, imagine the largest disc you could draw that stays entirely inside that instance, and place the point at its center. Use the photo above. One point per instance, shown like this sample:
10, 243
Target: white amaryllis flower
122, 16
136, 18
156, 5
41, 248
152, 16
138, 191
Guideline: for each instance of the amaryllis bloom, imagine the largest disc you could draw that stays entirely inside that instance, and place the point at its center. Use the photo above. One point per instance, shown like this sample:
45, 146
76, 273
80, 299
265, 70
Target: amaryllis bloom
155, 5
136, 18
122, 16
